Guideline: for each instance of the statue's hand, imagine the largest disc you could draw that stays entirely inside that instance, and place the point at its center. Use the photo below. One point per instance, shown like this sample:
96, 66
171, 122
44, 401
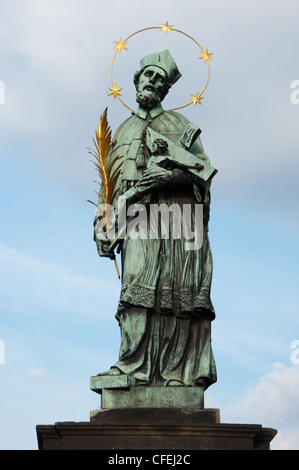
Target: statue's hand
102, 241
103, 247
155, 177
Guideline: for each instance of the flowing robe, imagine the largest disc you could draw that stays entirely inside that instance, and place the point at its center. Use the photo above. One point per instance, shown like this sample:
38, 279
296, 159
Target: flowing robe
165, 310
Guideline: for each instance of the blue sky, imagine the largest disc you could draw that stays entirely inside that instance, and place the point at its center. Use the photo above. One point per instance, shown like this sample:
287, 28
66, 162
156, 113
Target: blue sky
57, 297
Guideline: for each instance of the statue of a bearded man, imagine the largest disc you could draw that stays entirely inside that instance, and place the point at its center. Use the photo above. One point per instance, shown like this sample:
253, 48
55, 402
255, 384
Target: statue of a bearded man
165, 310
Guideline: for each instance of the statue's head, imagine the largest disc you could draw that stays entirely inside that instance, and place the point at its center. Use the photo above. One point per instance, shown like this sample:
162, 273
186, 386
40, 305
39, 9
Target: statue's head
157, 74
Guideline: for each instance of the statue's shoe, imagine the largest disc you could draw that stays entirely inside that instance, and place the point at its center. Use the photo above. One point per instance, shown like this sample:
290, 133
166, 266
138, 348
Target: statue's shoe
114, 371
174, 383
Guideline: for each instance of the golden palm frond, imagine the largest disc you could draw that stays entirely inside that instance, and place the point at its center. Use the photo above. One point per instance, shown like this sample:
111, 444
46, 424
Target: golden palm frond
106, 167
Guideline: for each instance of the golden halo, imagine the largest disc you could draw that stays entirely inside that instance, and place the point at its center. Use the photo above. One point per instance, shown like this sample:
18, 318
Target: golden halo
121, 44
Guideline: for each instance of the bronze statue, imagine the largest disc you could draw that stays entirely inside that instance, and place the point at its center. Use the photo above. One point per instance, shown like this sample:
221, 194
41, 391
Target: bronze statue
165, 310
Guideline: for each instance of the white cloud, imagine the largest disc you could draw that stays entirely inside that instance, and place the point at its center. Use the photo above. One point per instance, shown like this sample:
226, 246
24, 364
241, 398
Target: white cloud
56, 59
272, 402
286, 441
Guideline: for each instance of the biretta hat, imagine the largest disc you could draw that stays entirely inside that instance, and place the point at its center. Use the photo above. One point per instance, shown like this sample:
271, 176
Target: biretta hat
165, 62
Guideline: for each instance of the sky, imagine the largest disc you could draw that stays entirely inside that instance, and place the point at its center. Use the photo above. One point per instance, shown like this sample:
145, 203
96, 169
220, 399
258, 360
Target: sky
57, 297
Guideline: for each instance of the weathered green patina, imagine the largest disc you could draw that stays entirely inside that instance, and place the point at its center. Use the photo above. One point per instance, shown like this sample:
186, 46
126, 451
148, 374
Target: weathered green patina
165, 310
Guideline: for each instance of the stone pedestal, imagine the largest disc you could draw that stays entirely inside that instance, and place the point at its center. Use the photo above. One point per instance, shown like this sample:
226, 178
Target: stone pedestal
152, 419
154, 429
119, 392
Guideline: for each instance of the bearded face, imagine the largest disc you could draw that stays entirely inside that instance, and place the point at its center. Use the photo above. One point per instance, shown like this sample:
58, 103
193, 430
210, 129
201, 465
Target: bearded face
151, 87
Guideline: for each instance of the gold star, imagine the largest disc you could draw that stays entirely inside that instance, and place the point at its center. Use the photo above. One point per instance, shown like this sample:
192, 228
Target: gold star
206, 55
196, 99
166, 27
115, 91
120, 45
